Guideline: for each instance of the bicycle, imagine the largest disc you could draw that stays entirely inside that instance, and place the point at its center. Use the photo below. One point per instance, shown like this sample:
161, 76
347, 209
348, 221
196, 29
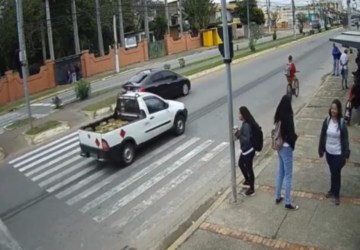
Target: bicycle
293, 87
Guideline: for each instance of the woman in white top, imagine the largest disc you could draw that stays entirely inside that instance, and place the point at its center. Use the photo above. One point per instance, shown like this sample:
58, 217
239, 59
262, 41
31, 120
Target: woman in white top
334, 143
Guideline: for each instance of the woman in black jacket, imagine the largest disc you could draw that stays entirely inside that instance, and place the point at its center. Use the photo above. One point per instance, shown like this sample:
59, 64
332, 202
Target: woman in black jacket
284, 118
245, 135
334, 143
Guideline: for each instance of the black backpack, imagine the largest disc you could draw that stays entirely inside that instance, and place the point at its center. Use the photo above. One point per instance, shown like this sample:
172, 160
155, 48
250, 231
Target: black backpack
257, 137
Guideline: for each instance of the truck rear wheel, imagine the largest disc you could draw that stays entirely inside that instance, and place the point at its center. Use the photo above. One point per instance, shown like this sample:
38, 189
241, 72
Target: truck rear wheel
127, 153
179, 125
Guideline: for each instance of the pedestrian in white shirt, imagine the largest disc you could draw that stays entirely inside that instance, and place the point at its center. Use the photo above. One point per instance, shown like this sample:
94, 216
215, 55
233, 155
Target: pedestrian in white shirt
334, 144
344, 60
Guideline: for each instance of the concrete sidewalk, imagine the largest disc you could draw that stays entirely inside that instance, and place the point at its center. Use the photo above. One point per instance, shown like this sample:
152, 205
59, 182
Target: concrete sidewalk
7, 242
257, 223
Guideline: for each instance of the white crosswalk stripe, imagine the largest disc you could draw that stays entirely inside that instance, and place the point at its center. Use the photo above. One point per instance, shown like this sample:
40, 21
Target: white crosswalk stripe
103, 191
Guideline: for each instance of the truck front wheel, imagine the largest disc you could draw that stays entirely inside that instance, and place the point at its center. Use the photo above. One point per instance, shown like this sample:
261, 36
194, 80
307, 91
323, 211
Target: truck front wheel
127, 153
179, 125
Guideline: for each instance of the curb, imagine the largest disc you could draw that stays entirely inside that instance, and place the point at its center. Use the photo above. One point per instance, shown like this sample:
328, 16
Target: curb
260, 162
43, 136
99, 112
7, 241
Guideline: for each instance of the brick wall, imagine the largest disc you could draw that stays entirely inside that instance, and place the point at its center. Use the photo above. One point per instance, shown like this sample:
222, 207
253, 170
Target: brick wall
12, 89
185, 43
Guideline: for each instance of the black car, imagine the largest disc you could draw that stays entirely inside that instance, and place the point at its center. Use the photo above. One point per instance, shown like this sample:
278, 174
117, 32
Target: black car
164, 83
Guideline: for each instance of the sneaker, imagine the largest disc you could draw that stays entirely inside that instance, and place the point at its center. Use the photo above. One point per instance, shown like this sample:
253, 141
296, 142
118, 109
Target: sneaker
291, 207
246, 183
329, 195
337, 201
277, 201
250, 192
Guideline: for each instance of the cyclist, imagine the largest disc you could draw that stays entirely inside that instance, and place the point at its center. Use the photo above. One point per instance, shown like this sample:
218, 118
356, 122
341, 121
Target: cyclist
290, 70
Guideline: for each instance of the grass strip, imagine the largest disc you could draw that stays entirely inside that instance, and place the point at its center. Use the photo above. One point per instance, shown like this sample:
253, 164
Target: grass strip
42, 127
19, 123
107, 102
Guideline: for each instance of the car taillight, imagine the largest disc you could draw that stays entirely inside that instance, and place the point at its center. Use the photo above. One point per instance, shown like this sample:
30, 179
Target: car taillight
105, 145
141, 89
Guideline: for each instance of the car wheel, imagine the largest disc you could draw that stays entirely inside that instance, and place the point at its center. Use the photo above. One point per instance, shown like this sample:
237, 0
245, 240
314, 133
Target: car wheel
179, 125
127, 153
185, 89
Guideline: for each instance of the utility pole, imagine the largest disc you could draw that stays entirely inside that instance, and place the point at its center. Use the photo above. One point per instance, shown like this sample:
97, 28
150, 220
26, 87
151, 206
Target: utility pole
181, 17
294, 19
167, 16
227, 61
248, 18
99, 29
117, 65
121, 24
348, 14
22, 55
268, 12
75, 27
49, 30
146, 21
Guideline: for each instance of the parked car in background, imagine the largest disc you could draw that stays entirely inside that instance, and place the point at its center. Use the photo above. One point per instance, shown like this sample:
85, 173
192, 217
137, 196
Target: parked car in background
164, 83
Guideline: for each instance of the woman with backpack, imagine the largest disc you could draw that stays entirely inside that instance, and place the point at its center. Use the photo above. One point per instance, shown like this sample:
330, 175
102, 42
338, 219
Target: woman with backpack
284, 139
246, 136
334, 143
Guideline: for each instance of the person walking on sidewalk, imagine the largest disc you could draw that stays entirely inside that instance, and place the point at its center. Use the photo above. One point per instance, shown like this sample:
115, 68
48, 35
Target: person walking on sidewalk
245, 135
336, 57
285, 129
344, 60
334, 143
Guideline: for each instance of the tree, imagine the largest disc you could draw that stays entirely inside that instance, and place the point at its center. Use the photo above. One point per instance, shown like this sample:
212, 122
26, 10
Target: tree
256, 14
198, 13
275, 17
301, 17
159, 26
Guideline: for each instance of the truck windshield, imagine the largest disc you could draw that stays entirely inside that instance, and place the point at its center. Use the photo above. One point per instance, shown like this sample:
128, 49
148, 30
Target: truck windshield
127, 106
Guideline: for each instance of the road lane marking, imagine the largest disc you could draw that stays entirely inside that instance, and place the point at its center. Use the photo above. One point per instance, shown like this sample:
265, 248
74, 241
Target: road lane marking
141, 207
139, 162
78, 185
146, 185
72, 155
133, 178
68, 171
47, 157
42, 148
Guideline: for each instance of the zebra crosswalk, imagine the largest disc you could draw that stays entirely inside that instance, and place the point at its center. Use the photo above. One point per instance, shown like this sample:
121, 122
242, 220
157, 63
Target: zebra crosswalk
179, 165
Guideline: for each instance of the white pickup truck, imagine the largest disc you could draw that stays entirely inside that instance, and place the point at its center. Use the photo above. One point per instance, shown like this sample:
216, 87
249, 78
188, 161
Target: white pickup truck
138, 118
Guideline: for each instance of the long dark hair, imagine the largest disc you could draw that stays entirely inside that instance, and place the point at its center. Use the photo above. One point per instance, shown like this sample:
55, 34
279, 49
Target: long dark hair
247, 116
339, 109
284, 110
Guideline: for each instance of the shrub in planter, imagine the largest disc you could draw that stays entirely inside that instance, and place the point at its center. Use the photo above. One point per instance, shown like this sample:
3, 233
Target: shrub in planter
274, 35
252, 45
182, 62
167, 66
82, 89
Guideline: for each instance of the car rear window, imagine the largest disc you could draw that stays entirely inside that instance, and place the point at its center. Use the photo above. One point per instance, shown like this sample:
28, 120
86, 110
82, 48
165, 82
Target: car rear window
138, 78
127, 106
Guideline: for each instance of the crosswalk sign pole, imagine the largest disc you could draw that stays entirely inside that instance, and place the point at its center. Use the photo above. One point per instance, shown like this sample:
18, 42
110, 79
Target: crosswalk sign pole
227, 61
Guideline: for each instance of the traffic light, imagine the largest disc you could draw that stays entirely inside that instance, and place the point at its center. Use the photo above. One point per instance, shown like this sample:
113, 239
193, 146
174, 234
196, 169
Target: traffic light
221, 46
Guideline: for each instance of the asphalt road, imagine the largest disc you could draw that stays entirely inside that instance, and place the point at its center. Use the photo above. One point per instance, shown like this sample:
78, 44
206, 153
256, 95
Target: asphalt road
53, 199
45, 107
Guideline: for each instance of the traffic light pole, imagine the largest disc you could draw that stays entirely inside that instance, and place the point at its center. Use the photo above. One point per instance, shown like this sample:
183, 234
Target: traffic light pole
22, 55
227, 61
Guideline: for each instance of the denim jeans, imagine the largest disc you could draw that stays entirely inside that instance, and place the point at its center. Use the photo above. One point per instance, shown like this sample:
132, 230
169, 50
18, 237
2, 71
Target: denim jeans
335, 162
285, 170
336, 67
246, 167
